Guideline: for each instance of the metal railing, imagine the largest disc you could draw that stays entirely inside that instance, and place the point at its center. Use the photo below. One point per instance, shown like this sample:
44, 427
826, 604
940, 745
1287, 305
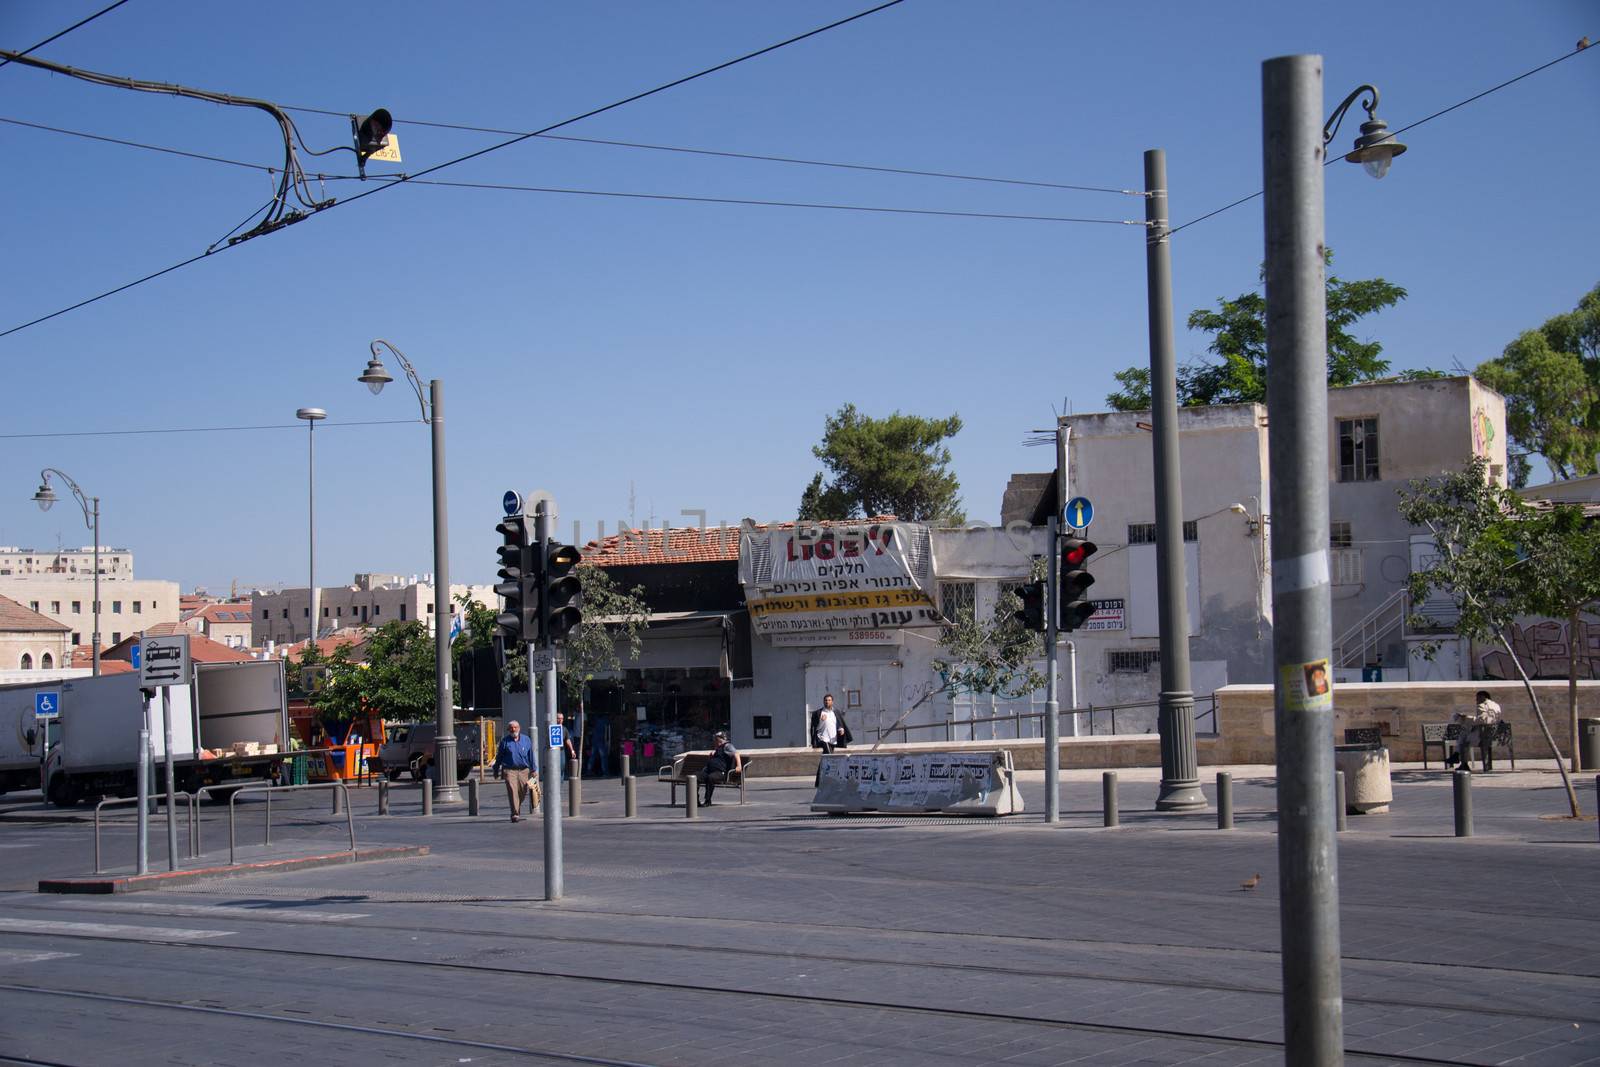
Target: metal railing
952, 726
158, 800
338, 783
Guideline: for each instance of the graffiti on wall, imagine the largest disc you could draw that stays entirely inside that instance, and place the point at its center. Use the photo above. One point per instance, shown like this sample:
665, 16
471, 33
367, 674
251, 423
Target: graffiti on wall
1543, 648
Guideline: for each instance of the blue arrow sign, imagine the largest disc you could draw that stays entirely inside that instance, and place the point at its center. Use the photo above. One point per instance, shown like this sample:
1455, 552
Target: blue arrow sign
136, 653
555, 737
46, 705
1080, 513
512, 502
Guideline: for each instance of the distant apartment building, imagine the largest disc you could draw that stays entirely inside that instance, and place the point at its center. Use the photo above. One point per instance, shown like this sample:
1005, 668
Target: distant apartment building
64, 562
284, 616
228, 623
29, 641
1379, 436
59, 585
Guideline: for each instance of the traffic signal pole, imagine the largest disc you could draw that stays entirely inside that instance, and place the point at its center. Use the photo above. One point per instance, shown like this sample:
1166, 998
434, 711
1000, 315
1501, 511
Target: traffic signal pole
1052, 706
544, 526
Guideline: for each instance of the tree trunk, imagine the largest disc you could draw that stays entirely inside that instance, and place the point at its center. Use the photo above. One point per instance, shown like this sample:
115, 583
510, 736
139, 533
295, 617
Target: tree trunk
923, 699
1572, 687
1538, 713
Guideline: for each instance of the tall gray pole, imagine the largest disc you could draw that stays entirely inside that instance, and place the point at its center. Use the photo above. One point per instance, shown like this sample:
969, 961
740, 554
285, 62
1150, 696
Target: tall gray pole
166, 759
1180, 767
96, 652
445, 758
142, 849
312, 417
1052, 704
544, 529
1302, 639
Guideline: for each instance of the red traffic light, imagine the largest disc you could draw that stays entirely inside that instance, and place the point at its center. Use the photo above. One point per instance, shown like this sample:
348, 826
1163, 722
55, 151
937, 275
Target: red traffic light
1075, 552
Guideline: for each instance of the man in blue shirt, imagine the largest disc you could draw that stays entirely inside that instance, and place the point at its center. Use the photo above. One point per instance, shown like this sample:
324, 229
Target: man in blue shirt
514, 760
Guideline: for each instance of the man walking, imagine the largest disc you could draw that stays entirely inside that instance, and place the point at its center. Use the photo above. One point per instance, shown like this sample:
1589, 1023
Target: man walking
514, 759
827, 725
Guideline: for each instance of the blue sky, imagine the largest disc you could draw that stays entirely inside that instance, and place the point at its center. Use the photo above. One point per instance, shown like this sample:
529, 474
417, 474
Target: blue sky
692, 351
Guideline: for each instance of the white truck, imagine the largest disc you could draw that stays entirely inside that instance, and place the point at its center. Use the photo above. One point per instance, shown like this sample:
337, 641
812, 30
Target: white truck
22, 736
231, 724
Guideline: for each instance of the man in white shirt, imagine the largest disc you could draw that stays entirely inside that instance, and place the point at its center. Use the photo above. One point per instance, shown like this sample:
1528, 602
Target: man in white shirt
1478, 728
827, 725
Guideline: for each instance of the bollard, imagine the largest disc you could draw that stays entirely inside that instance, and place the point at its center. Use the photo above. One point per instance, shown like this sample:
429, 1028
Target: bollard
1597, 800
1462, 783
1224, 800
627, 767
1108, 791
427, 796
691, 801
630, 796
574, 789
383, 796
1339, 812
472, 796
338, 800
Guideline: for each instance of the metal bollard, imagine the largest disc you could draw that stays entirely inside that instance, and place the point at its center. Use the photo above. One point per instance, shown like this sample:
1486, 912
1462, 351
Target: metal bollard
338, 800
383, 796
691, 801
472, 796
630, 796
1339, 812
574, 789
1224, 800
1597, 798
1461, 781
627, 767
427, 796
1108, 792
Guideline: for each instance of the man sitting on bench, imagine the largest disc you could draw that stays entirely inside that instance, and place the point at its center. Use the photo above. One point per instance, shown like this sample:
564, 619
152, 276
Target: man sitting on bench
724, 758
1476, 729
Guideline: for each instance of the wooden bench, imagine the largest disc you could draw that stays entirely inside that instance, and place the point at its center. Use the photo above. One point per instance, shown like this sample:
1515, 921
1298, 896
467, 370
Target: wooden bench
685, 771
1444, 734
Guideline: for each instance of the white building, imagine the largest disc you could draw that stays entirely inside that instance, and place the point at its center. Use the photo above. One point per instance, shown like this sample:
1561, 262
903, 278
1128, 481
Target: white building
370, 600
64, 562
127, 605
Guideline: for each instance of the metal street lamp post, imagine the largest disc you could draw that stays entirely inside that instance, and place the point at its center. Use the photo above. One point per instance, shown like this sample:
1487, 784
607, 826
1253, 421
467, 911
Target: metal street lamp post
375, 377
1302, 638
312, 417
45, 497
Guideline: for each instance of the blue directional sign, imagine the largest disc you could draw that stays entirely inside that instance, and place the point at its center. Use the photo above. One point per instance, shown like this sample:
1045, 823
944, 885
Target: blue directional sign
512, 502
1080, 513
555, 737
136, 654
46, 705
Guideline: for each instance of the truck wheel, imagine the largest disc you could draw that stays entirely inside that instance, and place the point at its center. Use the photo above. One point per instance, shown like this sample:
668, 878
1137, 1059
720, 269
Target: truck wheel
419, 769
394, 774
64, 793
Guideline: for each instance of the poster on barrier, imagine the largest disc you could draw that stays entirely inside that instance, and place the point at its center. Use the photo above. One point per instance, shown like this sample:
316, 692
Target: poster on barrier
979, 783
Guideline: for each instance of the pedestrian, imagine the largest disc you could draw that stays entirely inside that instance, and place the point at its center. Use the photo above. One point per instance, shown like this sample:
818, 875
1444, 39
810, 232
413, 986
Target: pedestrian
827, 725
1476, 728
724, 758
514, 760
569, 750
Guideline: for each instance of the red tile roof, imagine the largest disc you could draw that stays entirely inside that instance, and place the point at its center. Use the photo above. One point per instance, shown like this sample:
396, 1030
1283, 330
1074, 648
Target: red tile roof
83, 656
326, 646
689, 544
17, 619
201, 648
223, 613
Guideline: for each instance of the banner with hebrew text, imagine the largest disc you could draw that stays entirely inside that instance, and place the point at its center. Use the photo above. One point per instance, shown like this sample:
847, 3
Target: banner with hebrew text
819, 579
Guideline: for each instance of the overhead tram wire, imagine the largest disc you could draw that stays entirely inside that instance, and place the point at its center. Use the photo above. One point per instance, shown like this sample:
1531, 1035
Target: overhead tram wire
481, 152
1429, 118
297, 427
69, 29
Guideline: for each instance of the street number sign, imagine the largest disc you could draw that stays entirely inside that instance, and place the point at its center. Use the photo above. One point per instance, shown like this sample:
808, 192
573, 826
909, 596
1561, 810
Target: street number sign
165, 661
555, 737
1080, 513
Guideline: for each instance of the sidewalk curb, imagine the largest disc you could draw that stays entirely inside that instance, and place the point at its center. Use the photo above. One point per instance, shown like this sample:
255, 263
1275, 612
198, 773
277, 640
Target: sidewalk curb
134, 883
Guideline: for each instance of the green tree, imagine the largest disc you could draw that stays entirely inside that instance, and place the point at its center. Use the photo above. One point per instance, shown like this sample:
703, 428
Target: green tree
898, 465
395, 681
1490, 562
1238, 329
1550, 378
995, 657
612, 616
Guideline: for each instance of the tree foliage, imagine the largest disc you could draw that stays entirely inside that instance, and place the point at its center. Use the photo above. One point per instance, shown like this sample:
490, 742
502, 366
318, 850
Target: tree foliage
590, 650
1498, 558
1550, 378
897, 465
1238, 329
396, 680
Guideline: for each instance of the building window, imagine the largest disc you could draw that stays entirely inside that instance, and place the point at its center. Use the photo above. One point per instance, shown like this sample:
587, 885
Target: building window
116, 607
116, 637
46, 661
430, 608
1339, 535
285, 614
402, 613
1144, 533
27, 662
265, 613
34, 604
957, 600
138, 607
1358, 450
324, 612
377, 609
55, 607
1127, 661
305, 613
363, 613
77, 607
340, 612
77, 637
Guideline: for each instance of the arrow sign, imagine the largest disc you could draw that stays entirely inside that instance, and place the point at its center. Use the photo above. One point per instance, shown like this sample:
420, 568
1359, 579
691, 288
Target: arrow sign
46, 705
1080, 513
512, 502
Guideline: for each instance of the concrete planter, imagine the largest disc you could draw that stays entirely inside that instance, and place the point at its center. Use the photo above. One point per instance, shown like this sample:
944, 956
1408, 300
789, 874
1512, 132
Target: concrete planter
1367, 789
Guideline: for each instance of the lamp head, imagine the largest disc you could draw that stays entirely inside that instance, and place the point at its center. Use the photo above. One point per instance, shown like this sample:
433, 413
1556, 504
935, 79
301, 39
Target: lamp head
375, 377
46, 496
311, 414
1376, 147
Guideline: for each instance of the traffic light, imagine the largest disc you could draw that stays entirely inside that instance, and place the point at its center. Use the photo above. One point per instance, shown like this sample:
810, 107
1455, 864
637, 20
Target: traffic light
1076, 607
1032, 614
562, 607
518, 588
371, 132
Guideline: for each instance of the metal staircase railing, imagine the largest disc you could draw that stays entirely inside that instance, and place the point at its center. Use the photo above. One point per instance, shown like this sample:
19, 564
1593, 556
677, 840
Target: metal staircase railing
1350, 650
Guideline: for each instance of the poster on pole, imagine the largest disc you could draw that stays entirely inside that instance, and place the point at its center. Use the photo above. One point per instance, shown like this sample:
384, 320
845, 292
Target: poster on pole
810, 578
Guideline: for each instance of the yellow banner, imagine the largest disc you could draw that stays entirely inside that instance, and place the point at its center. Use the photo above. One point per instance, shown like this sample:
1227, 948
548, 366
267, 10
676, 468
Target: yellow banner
865, 601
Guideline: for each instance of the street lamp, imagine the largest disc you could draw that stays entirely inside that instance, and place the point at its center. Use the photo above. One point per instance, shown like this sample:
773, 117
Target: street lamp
375, 377
45, 497
1302, 635
312, 416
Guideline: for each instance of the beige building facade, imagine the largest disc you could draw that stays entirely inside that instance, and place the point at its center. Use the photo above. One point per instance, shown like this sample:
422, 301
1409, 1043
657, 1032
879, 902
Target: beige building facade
283, 617
127, 605
16, 562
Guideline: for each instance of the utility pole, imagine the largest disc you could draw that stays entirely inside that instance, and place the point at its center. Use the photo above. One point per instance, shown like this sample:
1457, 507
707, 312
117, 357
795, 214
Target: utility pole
544, 528
1302, 638
1180, 766
1052, 706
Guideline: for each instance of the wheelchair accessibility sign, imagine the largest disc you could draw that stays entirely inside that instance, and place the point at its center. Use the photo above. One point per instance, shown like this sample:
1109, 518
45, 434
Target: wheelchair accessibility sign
46, 705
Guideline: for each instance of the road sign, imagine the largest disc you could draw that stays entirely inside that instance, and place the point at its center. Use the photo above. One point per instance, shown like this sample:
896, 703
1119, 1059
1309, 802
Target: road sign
555, 737
1080, 513
512, 502
135, 653
165, 661
47, 704
541, 660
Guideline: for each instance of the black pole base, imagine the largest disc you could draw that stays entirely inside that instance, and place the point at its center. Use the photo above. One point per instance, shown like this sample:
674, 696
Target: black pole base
1181, 794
